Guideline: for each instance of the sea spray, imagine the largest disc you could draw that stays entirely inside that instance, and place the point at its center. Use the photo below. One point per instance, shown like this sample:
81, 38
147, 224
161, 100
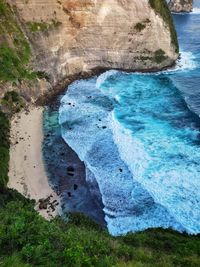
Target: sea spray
85, 117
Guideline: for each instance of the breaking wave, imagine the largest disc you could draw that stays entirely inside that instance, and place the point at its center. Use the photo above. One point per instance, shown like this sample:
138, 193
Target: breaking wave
135, 154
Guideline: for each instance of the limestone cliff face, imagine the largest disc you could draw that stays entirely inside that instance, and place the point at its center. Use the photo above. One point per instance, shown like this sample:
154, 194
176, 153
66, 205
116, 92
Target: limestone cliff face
181, 5
68, 37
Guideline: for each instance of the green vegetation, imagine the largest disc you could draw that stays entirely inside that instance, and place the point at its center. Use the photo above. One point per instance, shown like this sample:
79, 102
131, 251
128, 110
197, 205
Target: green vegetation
140, 26
159, 56
4, 149
26, 239
29, 240
161, 7
42, 26
10, 104
15, 52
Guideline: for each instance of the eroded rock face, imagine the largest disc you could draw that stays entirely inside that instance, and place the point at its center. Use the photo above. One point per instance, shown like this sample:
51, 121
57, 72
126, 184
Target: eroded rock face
181, 5
91, 34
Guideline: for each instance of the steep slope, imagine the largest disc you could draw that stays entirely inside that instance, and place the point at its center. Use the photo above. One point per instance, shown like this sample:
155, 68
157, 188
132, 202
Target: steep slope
70, 37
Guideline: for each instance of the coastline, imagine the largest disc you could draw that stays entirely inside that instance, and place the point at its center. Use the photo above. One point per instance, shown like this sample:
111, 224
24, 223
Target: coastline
61, 86
26, 168
66, 172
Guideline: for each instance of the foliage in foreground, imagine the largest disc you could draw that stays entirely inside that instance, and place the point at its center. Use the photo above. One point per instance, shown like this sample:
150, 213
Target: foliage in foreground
26, 239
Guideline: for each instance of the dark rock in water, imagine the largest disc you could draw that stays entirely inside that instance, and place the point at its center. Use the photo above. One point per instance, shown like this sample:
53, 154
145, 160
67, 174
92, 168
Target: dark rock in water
104, 127
75, 186
181, 5
70, 173
120, 169
70, 169
64, 163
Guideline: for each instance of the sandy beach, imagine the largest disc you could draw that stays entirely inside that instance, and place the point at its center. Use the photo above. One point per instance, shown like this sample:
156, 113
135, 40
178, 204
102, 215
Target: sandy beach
26, 171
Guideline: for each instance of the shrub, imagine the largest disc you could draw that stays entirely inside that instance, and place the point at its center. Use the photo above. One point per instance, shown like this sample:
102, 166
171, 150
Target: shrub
12, 103
30, 239
4, 149
159, 56
139, 26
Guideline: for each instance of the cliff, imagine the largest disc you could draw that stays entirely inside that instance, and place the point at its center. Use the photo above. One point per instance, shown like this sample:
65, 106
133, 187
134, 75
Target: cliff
58, 39
181, 5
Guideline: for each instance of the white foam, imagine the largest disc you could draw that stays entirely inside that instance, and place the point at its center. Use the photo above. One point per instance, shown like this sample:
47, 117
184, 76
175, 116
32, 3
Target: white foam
128, 205
186, 62
103, 77
196, 11
164, 182
149, 190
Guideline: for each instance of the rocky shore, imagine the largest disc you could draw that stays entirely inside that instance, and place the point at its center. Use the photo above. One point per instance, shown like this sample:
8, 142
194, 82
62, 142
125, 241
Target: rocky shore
66, 171
179, 6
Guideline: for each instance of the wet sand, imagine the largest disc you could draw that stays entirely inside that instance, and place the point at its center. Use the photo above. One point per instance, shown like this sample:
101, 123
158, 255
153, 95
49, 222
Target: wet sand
67, 172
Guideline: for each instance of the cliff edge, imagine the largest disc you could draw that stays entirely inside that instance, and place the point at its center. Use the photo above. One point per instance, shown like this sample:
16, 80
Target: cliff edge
61, 38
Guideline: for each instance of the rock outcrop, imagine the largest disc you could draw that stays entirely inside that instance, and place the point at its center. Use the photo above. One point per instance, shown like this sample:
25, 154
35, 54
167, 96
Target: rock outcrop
181, 5
69, 37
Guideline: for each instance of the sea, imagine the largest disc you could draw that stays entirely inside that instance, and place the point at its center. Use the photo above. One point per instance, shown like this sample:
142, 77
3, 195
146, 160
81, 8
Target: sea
138, 135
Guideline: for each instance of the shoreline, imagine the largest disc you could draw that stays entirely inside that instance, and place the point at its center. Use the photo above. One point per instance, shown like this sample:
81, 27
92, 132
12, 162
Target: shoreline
30, 141
62, 85
66, 172
26, 168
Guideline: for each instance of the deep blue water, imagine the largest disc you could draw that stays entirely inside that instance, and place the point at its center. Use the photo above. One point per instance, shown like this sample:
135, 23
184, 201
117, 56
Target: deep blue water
139, 136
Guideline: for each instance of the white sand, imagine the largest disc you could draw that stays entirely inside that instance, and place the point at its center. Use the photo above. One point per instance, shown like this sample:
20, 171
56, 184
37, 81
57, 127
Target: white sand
26, 171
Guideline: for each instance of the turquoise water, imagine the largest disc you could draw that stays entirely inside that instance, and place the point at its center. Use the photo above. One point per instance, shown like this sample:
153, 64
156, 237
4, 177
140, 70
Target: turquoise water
139, 136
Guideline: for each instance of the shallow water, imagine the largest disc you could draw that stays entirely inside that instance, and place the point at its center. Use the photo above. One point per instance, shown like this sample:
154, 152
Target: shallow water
138, 135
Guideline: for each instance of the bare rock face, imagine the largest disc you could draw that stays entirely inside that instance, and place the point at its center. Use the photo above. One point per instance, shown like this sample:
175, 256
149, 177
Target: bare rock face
68, 37
181, 5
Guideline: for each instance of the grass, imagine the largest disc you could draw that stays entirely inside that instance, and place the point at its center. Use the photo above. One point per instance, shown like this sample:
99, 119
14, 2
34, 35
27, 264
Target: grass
4, 149
29, 240
42, 26
26, 239
11, 103
161, 7
15, 52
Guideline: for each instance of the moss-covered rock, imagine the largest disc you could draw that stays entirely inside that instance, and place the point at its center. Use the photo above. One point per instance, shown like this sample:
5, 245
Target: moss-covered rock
161, 7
